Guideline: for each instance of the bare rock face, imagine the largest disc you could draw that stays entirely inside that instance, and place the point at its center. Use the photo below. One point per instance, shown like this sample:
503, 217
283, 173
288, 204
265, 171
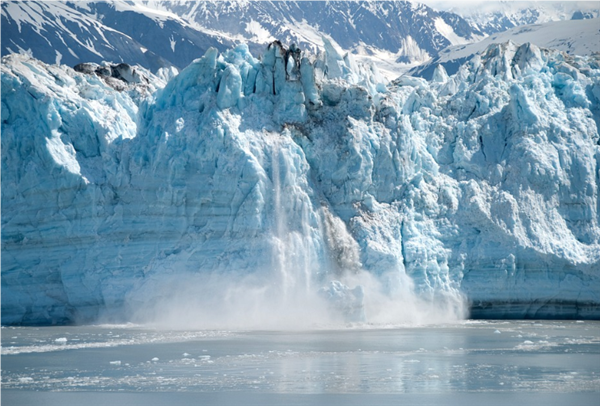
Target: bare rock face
118, 76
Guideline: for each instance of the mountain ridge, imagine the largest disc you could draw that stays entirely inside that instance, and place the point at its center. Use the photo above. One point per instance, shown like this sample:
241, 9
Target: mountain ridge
149, 33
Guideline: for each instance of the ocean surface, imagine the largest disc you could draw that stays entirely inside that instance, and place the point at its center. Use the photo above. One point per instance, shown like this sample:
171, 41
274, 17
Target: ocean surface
472, 362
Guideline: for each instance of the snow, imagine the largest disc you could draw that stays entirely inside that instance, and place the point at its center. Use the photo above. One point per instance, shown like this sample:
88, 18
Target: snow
156, 13
259, 33
580, 37
577, 37
295, 190
84, 28
447, 31
410, 51
306, 22
480, 10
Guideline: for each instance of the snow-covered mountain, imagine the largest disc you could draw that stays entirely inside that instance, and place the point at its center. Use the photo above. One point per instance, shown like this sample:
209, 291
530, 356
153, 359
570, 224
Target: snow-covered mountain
575, 37
296, 188
502, 20
410, 29
77, 32
492, 17
157, 34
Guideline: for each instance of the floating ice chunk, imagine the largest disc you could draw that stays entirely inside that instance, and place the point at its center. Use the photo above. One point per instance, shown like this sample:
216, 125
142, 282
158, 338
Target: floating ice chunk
115, 362
61, 340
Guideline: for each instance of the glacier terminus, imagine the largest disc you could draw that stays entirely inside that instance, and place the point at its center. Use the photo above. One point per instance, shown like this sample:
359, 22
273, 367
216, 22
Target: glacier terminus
301, 188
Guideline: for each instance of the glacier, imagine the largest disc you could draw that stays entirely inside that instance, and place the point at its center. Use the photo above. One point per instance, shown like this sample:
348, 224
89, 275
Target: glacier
300, 190
575, 37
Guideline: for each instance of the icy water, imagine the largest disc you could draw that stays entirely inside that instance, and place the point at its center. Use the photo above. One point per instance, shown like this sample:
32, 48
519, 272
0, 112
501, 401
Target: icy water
474, 362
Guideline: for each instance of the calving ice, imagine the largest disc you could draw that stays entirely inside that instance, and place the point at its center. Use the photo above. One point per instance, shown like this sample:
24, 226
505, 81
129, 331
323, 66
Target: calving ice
301, 190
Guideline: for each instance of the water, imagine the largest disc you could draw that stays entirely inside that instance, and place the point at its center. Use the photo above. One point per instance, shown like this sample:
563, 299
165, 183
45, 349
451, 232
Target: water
472, 362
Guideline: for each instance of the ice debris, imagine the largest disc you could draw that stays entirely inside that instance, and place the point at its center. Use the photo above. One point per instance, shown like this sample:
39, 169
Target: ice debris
349, 302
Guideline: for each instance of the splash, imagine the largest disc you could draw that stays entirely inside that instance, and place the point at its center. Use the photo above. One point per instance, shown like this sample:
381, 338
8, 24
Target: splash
314, 278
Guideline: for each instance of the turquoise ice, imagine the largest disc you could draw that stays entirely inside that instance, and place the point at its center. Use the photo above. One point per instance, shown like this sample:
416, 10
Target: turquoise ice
257, 184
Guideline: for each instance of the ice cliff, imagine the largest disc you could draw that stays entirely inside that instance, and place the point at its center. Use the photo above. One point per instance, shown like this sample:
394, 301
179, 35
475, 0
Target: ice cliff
295, 185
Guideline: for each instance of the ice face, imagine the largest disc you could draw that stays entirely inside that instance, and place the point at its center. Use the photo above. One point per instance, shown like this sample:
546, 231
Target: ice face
284, 186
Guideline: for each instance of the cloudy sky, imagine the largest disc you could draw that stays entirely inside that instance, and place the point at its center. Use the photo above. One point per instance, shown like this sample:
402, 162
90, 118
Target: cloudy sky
475, 6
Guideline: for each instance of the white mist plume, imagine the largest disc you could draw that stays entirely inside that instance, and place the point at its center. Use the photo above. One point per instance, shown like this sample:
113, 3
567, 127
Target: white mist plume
314, 279
247, 302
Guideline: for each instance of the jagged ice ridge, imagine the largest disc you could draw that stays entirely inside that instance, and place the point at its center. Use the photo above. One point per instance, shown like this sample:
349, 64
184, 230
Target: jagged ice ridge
297, 185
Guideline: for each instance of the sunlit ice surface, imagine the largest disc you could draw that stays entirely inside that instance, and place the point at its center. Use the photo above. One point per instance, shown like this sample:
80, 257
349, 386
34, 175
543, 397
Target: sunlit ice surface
468, 361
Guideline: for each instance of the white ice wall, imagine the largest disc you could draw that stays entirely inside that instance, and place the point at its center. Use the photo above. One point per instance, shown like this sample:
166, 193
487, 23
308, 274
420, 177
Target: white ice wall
484, 184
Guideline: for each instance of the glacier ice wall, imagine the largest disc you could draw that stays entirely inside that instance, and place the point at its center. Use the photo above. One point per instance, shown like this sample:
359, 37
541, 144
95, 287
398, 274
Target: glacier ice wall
295, 188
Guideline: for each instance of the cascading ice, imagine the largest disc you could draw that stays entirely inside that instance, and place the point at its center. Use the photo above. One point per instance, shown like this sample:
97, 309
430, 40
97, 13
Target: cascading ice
247, 190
